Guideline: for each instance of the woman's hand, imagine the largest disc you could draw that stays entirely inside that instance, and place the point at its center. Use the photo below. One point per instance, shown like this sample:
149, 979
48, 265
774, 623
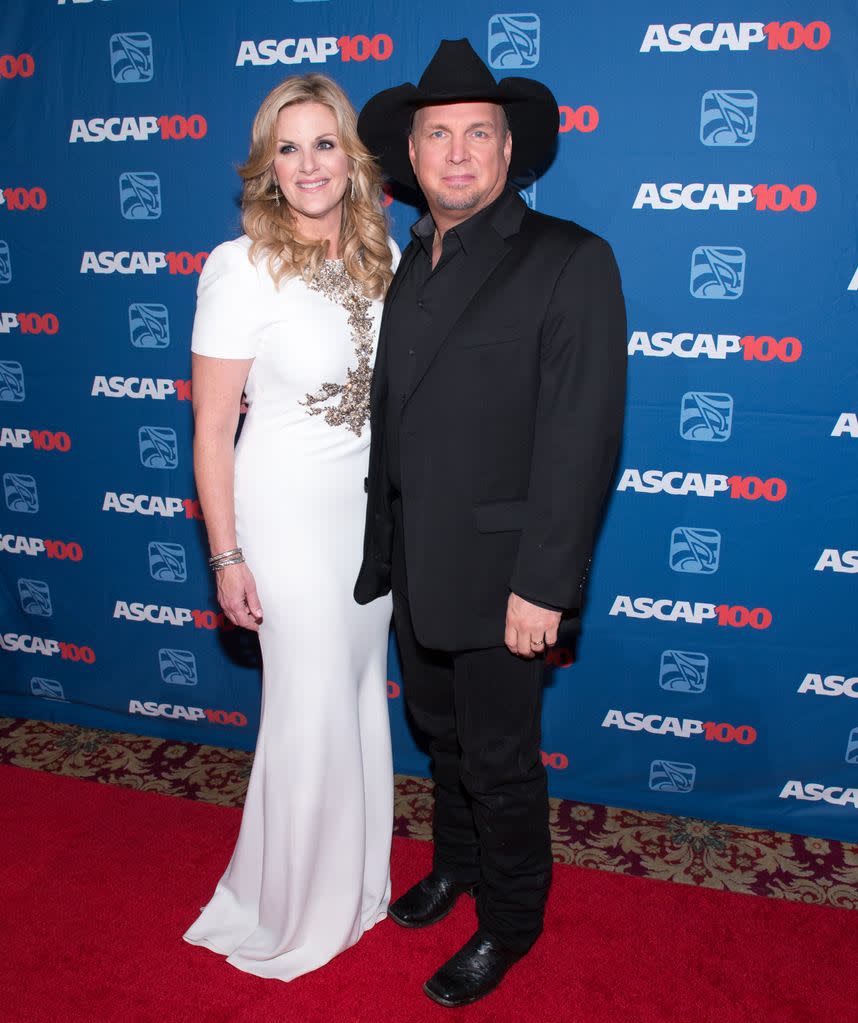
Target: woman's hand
236, 594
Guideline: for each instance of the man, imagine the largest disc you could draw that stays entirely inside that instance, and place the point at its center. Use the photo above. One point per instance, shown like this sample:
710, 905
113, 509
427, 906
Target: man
496, 410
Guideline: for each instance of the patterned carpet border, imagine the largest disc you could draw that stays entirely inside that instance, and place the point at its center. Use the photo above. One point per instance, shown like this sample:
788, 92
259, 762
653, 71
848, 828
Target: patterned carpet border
634, 842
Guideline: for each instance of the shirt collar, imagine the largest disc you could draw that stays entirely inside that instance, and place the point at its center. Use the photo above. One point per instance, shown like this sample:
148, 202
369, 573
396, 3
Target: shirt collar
424, 230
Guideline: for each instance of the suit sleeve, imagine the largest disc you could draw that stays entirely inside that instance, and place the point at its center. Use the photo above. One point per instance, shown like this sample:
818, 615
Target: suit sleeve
579, 422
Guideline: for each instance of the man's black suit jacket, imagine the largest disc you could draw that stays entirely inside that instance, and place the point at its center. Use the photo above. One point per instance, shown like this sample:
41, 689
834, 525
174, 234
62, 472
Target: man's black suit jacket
509, 434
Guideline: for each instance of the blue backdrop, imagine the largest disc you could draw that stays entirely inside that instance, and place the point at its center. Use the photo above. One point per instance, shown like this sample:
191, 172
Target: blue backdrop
717, 674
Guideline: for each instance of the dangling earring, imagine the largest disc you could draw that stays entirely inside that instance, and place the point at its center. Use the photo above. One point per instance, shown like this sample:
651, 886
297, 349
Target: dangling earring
354, 190
276, 194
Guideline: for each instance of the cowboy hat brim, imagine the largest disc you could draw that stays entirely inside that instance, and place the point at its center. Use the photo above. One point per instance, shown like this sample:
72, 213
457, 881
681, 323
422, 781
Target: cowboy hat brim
385, 122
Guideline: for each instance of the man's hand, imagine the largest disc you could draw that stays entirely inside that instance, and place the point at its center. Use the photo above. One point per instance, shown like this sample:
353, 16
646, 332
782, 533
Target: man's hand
529, 629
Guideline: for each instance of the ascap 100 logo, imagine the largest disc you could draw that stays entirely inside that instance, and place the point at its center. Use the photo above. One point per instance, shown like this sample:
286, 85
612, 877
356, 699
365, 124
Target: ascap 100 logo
556, 761
316, 50
29, 323
151, 504
166, 614
126, 262
177, 712
834, 560
157, 388
33, 546
661, 344
25, 643
21, 65
846, 425
23, 198
142, 128
681, 728
729, 197
836, 795
667, 609
710, 37
829, 685
676, 483
584, 119
42, 440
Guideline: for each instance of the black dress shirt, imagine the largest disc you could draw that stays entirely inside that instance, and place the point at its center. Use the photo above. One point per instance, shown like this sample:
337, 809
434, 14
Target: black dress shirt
412, 316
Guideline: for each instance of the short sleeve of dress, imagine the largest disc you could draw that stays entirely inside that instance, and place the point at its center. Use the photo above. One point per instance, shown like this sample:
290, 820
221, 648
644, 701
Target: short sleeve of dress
227, 323
395, 253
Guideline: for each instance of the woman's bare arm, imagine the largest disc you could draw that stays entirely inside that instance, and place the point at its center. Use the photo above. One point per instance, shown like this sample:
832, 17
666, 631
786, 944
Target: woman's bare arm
217, 389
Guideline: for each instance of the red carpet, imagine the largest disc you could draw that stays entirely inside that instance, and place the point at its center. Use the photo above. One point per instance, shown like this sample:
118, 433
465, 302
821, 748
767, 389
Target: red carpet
99, 882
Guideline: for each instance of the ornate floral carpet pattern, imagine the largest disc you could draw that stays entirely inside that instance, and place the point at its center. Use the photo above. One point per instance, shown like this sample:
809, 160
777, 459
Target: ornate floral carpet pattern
635, 842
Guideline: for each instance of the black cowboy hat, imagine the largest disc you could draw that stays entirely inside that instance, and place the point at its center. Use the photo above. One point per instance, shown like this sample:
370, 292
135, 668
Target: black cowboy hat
457, 75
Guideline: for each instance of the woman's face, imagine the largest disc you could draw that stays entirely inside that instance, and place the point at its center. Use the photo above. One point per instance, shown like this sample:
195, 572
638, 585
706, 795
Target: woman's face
311, 167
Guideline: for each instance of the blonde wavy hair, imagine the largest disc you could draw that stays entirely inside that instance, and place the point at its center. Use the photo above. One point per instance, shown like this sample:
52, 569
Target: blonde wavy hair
271, 227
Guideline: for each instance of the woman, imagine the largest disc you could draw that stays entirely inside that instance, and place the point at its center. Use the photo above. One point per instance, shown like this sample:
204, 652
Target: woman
288, 314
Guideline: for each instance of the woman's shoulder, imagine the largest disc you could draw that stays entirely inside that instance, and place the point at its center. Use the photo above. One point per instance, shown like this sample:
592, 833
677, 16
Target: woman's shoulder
230, 262
232, 253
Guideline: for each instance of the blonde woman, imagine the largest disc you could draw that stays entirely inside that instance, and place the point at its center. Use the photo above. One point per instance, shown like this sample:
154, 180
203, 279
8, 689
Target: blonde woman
288, 314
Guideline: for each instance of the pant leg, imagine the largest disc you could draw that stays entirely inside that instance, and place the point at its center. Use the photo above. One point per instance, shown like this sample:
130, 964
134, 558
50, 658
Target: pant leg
428, 686
498, 699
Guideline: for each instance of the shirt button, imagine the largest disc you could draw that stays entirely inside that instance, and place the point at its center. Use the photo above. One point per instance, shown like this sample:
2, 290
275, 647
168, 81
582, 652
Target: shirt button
410, 351
421, 304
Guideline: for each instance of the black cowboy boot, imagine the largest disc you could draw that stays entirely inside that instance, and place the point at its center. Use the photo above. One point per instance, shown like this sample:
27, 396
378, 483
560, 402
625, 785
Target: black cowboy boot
429, 901
475, 970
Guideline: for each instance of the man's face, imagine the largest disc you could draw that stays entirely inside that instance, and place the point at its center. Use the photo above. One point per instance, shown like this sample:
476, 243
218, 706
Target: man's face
460, 153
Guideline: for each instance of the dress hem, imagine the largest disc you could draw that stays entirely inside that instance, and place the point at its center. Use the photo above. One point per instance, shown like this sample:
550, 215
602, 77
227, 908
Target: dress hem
246, 966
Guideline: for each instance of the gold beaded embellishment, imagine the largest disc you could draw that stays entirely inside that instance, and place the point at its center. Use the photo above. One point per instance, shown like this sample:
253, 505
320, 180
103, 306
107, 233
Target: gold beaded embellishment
352, 411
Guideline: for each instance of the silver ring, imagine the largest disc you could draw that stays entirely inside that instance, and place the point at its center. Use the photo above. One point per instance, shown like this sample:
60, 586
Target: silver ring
537, 642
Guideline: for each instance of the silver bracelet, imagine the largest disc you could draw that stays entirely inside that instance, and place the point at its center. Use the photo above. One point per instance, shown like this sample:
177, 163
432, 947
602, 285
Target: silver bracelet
238, 560
224, 554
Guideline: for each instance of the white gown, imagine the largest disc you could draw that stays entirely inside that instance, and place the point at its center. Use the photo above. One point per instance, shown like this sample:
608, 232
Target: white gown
310, 870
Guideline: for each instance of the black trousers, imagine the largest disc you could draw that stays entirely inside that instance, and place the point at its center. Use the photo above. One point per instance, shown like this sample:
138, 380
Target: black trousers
481, 711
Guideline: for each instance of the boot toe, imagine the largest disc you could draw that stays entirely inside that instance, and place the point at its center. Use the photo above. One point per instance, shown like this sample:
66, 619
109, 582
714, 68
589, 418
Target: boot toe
474, 971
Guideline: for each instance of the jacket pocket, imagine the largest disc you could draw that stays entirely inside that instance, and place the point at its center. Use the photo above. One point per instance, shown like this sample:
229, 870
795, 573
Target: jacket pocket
483, 342
500, 516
